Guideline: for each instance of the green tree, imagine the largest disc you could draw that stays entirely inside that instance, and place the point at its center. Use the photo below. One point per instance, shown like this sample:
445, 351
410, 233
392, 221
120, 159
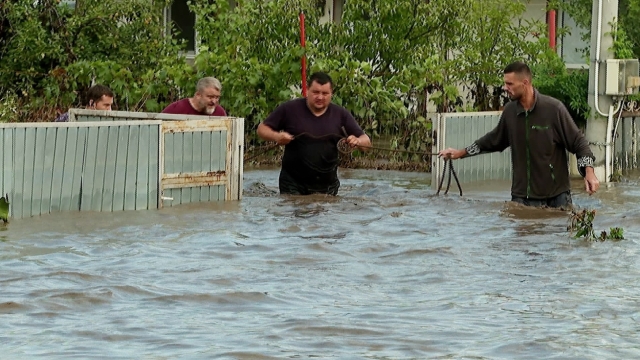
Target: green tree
50, 53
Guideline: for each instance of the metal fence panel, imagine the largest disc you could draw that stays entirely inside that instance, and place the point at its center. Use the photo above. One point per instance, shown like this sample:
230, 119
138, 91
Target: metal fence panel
458, 130
195, 162
113, 161
6, 163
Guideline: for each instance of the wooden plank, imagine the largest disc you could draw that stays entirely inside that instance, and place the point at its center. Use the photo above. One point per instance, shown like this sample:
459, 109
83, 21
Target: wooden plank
207, 139
193, 125
4, 165
216, 160
191, 165
48, 166
195, 179
6, 161
120, 168
228, 161
7, 175
238, 159
58, 170
19, 165
75, 164
142, 116
142, 180
90, 169
197, 163
160, 152
154, 167
178, 149
76, 125
29, 194
133, 143
187, 163
110, 164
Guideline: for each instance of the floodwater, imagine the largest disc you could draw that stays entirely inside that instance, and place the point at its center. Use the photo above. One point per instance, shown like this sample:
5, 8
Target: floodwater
386, 270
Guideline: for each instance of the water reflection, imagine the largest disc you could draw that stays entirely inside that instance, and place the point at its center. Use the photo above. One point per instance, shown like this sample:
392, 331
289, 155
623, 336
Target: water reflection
384, 270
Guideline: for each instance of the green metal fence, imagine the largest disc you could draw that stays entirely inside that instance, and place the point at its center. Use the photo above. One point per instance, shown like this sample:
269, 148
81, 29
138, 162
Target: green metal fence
110, 161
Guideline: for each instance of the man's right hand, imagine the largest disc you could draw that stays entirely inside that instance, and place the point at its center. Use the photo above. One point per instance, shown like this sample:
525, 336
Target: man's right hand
451, 153
284, 138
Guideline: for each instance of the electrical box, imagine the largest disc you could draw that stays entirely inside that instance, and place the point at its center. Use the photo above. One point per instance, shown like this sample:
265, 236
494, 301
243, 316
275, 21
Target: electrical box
623, 77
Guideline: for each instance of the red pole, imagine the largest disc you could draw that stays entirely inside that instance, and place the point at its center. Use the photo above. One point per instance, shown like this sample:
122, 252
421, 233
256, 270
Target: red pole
304, 57
552, 29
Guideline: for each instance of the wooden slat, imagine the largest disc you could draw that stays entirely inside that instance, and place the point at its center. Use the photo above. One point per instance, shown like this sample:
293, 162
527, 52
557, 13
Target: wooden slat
75, 157
58, 167
178, 165
19, 171
184, 180
154, 167
187, 164
193, 125
133, 143
31, 196
203, 192
142, 184
120, 173
6, 160
238, 159
48, 148
76, 125
92, 161
108, 188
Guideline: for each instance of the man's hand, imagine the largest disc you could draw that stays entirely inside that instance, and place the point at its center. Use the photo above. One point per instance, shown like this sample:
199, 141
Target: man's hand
591, 182
284, 138
353, 141
451, 153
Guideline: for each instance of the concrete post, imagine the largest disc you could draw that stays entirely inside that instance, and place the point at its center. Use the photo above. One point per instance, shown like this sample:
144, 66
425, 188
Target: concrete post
603, 12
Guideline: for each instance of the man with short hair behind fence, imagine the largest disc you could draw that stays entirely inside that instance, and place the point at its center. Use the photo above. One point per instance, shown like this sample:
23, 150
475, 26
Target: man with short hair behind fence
99, 97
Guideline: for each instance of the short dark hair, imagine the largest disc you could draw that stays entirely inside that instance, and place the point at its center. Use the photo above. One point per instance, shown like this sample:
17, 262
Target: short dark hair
96, 92
519, 68
321, 78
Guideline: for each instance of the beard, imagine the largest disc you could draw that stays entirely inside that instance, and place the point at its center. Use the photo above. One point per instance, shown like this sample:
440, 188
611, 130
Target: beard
209, 109
514, 96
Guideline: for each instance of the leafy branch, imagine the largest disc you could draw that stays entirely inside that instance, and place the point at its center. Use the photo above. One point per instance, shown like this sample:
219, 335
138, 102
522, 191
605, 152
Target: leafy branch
582, 223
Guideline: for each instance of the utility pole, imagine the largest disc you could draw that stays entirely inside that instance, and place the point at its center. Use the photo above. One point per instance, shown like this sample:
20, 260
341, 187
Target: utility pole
604, 12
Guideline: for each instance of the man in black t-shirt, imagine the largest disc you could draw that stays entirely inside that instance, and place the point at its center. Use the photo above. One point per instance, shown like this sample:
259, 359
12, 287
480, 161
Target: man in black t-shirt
310, 130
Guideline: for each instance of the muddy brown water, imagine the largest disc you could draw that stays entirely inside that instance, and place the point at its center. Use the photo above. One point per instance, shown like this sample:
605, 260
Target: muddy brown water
386, 270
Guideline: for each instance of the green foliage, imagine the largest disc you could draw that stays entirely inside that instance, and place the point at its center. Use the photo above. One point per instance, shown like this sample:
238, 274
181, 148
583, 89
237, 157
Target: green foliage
629, 14
622, 46
552, 78
4, 208
582, 223
50, 54
579, 10
390, 59
626, 32
491, 39
255, 51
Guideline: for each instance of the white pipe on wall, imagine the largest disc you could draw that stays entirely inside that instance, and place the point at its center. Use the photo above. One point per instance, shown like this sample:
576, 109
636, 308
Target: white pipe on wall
608, 164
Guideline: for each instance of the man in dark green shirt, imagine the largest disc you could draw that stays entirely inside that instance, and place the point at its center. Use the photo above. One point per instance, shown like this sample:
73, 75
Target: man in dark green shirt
539, 130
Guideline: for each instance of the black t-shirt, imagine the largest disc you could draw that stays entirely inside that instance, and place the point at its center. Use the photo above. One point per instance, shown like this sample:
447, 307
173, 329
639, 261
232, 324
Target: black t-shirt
312, 157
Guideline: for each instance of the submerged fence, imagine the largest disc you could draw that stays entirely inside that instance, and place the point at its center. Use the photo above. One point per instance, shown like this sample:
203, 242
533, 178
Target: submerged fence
110, 161
458, 130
